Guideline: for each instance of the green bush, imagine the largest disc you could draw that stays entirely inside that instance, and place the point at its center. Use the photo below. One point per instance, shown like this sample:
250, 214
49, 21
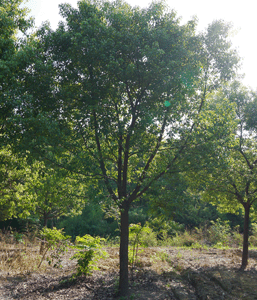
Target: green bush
237, 238
88, 252
164, 228
253, 235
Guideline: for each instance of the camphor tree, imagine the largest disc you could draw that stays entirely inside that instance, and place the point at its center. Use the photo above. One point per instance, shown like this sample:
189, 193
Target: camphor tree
55, 193
123, 88
230, 178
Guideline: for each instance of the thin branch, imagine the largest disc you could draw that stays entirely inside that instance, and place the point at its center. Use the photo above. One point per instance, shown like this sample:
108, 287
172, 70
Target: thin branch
246, 159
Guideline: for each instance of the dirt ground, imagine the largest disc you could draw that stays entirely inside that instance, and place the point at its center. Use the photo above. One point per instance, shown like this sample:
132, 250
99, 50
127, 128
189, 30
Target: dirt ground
160, 274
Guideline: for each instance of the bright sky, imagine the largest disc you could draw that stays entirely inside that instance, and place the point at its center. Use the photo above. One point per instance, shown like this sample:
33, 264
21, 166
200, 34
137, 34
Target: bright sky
242, 14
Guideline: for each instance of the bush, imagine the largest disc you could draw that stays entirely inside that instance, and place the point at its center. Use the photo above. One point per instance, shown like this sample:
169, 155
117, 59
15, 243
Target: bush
88, 252
220, 233
253, 236
92, 221
55, 242
183, 240
164, 228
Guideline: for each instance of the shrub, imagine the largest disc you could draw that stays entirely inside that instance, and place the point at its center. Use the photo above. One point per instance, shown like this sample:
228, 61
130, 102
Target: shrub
220, 232
56, 242
183, 240
253, 236
88, 252
165, 228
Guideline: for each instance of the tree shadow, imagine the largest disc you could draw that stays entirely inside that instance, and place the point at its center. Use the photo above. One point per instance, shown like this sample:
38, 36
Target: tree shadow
212, 283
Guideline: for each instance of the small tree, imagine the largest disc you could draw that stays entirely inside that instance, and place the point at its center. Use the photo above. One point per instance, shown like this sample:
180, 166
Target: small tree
230, 174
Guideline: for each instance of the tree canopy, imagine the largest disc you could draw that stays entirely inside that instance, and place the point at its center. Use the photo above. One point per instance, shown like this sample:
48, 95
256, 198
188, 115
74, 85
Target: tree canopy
13, 21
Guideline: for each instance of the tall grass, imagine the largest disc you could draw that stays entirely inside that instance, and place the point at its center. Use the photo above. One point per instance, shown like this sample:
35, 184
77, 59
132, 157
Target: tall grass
19, 253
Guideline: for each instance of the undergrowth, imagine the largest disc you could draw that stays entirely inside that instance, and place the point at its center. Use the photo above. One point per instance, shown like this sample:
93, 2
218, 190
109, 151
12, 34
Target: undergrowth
19, 253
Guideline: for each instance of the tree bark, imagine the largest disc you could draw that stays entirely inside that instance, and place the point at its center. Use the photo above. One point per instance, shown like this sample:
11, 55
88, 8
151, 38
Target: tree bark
124, 240
246, 237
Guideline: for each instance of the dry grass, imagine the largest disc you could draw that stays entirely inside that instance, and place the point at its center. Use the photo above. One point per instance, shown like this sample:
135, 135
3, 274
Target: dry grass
160, 273
19, 257
20, 254
152, 258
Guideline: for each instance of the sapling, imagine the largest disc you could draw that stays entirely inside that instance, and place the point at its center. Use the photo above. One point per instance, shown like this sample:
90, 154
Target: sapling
136, 239
88, 252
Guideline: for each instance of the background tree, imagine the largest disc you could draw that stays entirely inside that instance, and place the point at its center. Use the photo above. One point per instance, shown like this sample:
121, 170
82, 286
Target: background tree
55, 193
173, 198
230, 177
120, 95
15, 175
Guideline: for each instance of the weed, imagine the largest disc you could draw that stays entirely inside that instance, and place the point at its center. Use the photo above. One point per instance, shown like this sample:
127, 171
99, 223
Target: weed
163, 256
179, 255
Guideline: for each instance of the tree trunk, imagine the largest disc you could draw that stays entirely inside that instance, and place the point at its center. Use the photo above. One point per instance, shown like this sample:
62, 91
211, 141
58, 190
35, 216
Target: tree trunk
246, 237
42, 245
124, 239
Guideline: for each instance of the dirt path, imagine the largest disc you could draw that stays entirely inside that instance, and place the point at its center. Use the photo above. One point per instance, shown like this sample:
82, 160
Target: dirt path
161, 274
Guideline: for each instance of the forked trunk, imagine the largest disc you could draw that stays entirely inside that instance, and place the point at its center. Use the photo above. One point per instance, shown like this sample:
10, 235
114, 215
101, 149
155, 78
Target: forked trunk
124, 240
246, 237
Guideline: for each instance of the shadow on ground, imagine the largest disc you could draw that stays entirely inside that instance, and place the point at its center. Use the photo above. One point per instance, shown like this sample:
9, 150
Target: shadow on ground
187, 277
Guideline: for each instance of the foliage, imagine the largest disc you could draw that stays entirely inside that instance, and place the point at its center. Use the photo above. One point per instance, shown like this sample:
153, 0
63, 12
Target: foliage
173, 198
88, 252
14, 171
55, 193
12, 58
253, 235
92, 221
183, 240
15, 175
56, 242
164, 228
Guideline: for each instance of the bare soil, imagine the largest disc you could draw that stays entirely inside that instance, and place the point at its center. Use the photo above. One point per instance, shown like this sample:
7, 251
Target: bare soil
160, 274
